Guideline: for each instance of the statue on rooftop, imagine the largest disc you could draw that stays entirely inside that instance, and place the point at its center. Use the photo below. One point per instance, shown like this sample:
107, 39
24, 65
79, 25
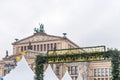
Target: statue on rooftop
41, 29
29, 46
36, 30
6, 54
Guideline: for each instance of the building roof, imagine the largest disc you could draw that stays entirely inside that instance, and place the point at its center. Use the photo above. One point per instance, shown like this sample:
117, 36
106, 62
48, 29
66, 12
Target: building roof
42, 37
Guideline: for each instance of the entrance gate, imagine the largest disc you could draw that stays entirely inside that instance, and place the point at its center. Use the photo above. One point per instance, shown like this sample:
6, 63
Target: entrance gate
86, 54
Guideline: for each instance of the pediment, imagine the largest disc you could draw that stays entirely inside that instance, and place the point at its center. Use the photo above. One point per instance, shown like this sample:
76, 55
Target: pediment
38, 38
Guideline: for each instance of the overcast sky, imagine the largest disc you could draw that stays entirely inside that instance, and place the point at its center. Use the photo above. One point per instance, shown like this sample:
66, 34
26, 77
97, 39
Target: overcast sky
86, 22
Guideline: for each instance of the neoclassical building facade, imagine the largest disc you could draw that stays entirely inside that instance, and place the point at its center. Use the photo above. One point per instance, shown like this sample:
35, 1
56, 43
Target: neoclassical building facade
40, 43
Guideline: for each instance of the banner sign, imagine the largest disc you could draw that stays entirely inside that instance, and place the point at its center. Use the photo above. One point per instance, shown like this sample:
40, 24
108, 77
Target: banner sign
74, 59
69, 58
77, 50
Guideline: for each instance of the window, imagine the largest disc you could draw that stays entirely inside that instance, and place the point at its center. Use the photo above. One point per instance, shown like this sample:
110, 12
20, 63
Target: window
102, 72
55, 46
24, 47
57, 70
102, 78
48, 47
95, 72
44, 47
98, 78
37, 47
41, 47
99, 72
74, 70
106, 78
21, 48
51, 46
106, 71
69, 70
95, 79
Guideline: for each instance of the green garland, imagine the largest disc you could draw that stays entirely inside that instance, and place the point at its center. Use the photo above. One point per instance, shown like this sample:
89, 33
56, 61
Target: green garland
113, 55
115, 65
39, 68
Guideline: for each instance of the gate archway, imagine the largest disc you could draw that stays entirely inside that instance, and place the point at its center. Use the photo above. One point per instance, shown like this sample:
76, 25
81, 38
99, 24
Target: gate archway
79, 55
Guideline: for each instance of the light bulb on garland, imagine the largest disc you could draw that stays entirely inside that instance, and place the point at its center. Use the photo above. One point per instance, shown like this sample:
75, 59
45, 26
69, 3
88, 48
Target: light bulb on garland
18, 58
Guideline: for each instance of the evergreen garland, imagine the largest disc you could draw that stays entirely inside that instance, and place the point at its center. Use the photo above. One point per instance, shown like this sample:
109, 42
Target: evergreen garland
113, 55
39, 68
115, 65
